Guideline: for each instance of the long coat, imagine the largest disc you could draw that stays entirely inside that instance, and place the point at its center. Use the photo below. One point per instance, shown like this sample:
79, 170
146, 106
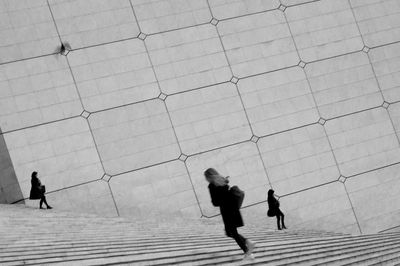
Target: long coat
36, 190
221, 197
273, 205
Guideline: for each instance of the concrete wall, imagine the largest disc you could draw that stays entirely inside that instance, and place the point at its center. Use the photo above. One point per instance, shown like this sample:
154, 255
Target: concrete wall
10, 190
299, 95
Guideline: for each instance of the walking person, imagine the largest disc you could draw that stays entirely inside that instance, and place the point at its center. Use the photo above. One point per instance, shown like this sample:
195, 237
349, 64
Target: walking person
273, 205
38, 190
222, 197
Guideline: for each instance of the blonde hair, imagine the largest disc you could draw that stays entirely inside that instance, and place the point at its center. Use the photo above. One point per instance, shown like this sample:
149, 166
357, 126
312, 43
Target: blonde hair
214, 177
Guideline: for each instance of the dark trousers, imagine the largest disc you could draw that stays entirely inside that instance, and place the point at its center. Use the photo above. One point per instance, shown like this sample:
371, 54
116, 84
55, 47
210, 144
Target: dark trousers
240, 240
280, 218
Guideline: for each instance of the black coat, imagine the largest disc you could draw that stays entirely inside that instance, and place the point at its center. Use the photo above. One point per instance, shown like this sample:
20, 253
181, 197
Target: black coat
36, 189
221, 197
273, 205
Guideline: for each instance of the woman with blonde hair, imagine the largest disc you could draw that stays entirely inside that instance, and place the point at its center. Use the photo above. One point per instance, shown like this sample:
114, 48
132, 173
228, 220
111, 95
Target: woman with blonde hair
221, 197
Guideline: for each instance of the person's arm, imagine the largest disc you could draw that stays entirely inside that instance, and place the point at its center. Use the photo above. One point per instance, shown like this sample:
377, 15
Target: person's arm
276, 202
215, 197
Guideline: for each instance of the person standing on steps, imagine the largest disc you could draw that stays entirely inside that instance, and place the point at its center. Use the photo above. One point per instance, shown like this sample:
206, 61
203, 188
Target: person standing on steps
273, 205
222, 198
38, 190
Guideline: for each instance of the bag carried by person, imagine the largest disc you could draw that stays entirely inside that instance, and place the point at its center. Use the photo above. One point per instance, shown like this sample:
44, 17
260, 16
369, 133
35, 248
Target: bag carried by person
237, 195
42, 189
270, 213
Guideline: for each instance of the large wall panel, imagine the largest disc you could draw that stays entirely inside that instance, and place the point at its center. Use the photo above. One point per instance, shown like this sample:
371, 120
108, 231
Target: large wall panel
63, 153
134, 136
363, 141
114, 74
324, 29
343, 85
375, 197
163, 15
258, 43
84, 23
298, 159
164, 189
188, 58
378, 20
209, 118
386, 63
26, 30
278, 101
326, 207
36, 91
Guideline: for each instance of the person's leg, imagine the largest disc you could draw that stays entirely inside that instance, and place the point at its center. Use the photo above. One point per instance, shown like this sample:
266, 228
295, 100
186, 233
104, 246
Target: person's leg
45, 202
240, 240
41, 202
282, 218
283, 221
278, 219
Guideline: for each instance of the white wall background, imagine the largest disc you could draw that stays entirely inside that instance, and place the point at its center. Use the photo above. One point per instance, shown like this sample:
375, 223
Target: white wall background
301, 96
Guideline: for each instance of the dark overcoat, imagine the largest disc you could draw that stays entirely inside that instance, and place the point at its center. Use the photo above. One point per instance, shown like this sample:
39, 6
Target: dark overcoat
273, 205
220, 196
36, 191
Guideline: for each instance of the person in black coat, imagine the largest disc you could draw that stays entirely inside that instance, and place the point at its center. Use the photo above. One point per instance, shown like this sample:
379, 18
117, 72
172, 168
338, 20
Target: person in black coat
222, 198
273, 205
37, 191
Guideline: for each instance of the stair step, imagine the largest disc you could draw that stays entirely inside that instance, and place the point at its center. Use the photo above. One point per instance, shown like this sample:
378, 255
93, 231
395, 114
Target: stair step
84, 239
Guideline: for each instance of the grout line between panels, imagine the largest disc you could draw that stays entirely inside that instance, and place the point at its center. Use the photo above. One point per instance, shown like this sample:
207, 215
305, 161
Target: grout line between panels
218, 148
388, 229
352, 208
123, 105
373, 170
383, 45
40, 124
356, 22
306, 189
87, 120
287, 130
193, 189
383, 97
248, 14
353, 113
112, 196
198, 88
54, 20
143, 167
264, 11
177, 29
104, 43
28, 58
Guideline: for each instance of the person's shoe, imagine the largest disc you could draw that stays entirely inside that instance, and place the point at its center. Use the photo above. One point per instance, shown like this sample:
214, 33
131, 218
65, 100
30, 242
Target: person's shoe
41, 207
284, 227
49, 207
279, 228
250, 246
249, 256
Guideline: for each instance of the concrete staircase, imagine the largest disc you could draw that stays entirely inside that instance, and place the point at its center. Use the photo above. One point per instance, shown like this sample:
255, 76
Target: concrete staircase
49, 237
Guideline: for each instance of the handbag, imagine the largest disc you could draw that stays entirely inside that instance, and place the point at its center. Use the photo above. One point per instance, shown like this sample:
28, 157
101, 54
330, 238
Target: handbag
237, 195
42, 189
270, 213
